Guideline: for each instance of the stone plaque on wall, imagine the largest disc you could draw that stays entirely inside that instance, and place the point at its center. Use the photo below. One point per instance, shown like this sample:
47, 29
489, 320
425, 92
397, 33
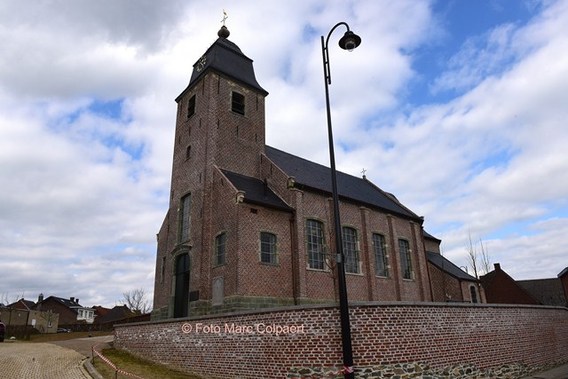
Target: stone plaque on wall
218, 291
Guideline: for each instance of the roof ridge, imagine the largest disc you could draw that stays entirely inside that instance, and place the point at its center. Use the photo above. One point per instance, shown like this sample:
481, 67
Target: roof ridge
319, 164
315, 176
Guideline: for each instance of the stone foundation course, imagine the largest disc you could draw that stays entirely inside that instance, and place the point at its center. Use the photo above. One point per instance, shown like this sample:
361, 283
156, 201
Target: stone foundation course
395, 340
418, 371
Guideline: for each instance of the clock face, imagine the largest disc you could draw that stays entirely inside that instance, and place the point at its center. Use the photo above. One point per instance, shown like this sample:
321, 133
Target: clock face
201, 63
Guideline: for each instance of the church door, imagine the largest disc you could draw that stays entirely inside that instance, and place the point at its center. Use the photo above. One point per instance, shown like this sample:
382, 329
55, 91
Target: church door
181, 302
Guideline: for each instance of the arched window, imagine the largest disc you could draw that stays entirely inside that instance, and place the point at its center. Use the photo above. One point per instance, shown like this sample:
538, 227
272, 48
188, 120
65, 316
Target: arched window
381, 259
191, 107
315, 246
220, 249
350, 250
268, 248
238, 103
184, 218
405, 259
181, 295
473, 292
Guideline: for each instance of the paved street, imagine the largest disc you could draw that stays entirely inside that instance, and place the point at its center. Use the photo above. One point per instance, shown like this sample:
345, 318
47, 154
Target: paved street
39, 360
19, 360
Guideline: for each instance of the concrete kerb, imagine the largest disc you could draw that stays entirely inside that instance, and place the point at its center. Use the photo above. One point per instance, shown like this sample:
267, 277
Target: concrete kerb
88, 366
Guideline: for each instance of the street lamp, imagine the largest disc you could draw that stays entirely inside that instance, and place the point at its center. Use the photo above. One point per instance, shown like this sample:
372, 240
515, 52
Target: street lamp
349, 41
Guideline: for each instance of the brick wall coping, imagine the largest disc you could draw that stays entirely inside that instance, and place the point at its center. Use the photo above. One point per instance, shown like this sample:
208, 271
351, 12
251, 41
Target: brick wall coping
382, 304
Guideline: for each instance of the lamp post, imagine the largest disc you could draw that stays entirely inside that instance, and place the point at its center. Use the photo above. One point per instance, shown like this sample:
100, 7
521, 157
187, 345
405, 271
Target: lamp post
349, 41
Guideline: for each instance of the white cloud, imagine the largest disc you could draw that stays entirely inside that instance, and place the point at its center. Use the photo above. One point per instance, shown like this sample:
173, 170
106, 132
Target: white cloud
83, 193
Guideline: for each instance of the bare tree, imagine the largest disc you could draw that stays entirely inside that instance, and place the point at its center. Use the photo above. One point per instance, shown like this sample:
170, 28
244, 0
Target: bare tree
485, 260
7, 299
472, 257
4, 298
136, 301
480, 262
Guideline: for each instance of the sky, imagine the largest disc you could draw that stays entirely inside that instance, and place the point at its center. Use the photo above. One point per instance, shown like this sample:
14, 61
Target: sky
459, 108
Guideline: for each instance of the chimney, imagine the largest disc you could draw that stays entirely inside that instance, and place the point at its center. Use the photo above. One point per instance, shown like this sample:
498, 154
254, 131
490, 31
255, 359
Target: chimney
40, 298
77, 300
497, 266
72, 299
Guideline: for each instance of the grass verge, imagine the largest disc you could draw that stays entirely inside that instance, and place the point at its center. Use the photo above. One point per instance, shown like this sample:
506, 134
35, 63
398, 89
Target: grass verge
135, 365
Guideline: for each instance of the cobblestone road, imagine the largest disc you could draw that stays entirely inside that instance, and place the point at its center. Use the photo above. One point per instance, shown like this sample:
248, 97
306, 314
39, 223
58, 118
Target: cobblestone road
21, 360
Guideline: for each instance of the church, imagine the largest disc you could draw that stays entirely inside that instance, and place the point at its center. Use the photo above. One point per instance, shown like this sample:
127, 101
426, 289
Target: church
250, 226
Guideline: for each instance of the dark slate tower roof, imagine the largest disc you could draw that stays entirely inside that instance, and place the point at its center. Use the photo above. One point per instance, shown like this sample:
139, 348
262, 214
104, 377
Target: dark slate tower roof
226, 58
310, 175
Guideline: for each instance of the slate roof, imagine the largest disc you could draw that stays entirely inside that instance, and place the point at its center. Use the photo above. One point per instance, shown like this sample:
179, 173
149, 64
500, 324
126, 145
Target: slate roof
256, 191
313, 176
546, 291
22, 304
225, 57
119, 312
431, 237
448, 267
67, 302
73, 305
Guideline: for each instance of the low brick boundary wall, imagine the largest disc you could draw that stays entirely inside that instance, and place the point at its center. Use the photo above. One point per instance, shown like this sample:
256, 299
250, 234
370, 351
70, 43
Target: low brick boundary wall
404, 340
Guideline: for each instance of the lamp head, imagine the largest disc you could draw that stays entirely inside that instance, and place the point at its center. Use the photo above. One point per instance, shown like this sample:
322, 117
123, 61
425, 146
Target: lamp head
349, 41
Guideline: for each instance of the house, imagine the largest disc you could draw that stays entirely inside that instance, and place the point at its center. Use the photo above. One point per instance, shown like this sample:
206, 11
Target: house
250, 225
501, 288
69, 310
22, 304
551, 291
113, 315
563, 276
22, 312
100, 312
545, 291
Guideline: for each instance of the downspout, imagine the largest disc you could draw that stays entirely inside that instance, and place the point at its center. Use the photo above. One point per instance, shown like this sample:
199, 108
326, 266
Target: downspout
427, 263
294, 256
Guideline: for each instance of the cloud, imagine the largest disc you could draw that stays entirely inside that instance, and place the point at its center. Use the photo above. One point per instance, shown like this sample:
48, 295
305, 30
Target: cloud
87, 116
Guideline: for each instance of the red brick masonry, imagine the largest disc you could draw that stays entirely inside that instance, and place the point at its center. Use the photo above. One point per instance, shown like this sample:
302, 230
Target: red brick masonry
268, 344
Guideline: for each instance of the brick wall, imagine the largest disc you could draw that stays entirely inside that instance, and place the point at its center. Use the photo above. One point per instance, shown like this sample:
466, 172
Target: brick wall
433, 336
445, 287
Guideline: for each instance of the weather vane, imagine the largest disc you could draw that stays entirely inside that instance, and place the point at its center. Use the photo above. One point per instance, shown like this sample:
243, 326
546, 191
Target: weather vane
224, 17
363, 171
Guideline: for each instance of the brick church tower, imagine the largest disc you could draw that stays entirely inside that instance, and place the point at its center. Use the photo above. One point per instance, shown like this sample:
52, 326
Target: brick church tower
220, 124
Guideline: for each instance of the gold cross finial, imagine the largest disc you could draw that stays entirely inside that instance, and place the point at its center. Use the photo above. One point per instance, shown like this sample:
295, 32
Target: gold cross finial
224, 17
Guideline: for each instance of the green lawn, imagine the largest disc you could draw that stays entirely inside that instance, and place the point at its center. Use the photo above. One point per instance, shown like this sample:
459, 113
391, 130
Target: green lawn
135, 365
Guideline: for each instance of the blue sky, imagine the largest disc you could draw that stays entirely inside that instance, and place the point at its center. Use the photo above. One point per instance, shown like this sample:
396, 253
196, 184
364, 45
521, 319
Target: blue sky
456, 107
465, 27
